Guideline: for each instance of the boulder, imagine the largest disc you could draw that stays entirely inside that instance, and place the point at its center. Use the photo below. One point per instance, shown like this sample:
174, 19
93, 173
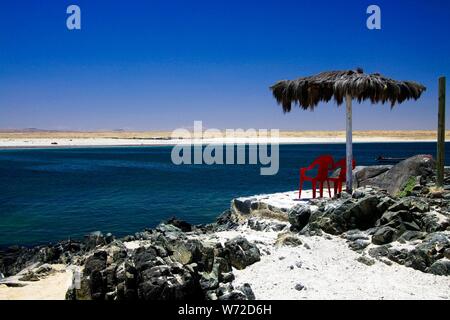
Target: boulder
184, 252
440, 268
395, 179
180, 224
347, 214
144, 258
242, 205
242, 253
395, 218
412, 235
366, 212
96, 239
378, 252
246, 289
299, 217
126, 277
425, 254
165, 282
227, 220
92, 275
363, 174
431, 222
384, 235
416, 259
209, 281
435, 244
412, 204
95, 262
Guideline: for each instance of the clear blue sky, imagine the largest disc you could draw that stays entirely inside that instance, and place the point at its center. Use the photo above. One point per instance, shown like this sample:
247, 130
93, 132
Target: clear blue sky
144, 65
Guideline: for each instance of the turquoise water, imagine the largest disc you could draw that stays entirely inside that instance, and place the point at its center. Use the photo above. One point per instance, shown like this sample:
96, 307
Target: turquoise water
47, 195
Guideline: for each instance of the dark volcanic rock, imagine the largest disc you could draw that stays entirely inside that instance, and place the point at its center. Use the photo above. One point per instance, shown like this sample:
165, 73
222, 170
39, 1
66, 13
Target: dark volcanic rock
299, 217
348, 214
424, 255
168, 283
440, 268
96, 239
92, 274
377, 252
384, 235
182, 225
395, 178
412, 235
363, 174
242, 253
15, 258
242, 206
227, 220
246, 289
258, 224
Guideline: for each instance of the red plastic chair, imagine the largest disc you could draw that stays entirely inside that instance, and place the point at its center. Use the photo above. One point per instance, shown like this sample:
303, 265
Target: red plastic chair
324, 164
338, 181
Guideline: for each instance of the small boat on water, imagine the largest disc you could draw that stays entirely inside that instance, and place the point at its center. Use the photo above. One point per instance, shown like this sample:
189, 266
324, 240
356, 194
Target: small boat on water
383, 159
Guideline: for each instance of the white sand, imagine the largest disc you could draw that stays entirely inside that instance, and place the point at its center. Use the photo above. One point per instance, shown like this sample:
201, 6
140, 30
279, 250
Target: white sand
329, 270
86, 142
52, 287
286, 200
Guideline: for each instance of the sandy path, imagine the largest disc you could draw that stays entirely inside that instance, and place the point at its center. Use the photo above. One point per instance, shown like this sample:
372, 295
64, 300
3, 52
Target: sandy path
53, 287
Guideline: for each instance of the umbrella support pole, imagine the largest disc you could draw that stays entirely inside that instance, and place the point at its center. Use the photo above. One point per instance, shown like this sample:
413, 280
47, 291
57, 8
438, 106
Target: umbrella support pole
349, 149
441, 134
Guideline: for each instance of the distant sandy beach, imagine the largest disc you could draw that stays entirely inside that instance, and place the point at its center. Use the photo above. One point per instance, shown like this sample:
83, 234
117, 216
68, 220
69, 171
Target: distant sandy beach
40, 139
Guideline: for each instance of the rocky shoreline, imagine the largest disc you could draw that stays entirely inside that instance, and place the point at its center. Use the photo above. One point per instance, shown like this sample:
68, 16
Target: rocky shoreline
404, 223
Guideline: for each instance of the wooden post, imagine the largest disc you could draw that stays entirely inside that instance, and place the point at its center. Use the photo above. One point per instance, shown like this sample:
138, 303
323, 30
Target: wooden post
441, 134
349, 149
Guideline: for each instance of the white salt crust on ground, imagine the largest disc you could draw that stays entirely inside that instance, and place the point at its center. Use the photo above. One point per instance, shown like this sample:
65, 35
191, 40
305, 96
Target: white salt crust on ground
329, 270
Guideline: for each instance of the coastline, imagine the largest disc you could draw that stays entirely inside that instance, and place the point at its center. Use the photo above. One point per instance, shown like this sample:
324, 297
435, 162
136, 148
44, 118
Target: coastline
67, 139
372, 245
310, 265
112, 142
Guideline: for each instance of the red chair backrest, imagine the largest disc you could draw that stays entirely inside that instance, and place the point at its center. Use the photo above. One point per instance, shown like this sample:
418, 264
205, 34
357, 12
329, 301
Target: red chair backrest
324, 163
343, 165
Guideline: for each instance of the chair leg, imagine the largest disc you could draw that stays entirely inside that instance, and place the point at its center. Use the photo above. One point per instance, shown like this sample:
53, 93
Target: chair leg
321, 189
329, 192
314, 189
300, 189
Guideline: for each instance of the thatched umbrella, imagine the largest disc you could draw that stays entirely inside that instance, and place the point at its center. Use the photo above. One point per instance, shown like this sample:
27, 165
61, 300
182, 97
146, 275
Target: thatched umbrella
339, 85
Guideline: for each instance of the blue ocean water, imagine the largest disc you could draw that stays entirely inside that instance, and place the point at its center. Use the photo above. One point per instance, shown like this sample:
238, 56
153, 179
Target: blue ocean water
47, 195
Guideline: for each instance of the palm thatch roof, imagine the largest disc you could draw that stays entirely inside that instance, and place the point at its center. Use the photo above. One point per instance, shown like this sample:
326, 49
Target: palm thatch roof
307, 92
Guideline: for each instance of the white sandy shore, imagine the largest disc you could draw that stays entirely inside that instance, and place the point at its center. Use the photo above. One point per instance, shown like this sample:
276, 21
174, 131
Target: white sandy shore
91, 142
286, 200
328, 269
52, 287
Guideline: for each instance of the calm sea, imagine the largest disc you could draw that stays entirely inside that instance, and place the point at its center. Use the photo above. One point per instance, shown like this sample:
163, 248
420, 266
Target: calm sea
47, 195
